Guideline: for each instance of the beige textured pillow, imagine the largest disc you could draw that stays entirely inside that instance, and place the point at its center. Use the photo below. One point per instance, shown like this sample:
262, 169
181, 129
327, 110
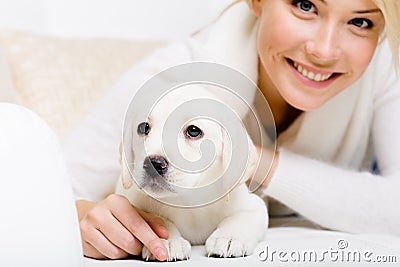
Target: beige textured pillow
7, 92
61, 79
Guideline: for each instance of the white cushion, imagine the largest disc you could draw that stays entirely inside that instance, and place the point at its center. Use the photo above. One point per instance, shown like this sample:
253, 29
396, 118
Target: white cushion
39, 224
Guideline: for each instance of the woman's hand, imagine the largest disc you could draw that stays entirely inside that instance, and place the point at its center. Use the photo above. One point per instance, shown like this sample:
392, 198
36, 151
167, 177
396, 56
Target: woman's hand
114, 229
266, 168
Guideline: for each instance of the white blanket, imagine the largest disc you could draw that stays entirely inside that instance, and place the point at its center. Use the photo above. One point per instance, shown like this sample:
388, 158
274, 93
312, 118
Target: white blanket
295, 246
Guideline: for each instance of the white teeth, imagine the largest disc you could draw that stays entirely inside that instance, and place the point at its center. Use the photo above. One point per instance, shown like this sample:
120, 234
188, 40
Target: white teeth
310, 75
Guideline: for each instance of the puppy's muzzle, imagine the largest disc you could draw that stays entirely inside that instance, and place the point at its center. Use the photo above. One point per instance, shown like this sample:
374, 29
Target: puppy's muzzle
155, 165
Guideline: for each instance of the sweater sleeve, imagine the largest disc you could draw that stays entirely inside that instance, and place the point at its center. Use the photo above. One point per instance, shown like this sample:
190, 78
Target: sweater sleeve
336, 198
343, 199
92, 149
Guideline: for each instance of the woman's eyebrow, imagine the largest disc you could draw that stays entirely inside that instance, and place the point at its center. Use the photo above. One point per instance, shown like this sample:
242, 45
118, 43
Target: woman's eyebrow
358, 11
367, 11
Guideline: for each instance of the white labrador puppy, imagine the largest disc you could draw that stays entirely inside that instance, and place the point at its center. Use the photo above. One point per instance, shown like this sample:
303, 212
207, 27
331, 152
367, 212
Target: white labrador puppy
230, 226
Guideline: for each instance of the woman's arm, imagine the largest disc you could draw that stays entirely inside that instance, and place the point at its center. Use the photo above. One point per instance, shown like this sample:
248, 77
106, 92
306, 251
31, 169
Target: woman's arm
337, 198
345, 199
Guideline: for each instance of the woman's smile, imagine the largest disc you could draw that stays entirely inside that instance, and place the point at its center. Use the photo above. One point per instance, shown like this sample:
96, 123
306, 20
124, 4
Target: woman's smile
312, 77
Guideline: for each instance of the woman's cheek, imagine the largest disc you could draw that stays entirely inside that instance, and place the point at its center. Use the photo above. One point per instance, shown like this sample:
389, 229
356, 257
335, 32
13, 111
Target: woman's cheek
360, 61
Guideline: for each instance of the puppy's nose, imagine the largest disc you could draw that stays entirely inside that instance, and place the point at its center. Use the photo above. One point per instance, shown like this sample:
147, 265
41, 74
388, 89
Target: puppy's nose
157, 163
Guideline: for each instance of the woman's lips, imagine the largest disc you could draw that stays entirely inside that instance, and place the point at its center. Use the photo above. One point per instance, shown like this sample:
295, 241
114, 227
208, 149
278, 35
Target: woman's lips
311, 76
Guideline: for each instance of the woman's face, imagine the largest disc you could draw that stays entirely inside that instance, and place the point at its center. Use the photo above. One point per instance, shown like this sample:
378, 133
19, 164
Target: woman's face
310, 50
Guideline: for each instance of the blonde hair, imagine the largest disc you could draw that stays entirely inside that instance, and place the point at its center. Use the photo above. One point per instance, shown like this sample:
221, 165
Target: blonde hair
391, 13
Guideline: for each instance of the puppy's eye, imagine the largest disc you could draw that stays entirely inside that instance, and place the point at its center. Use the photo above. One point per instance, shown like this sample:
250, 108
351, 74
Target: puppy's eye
193, 132
143, 128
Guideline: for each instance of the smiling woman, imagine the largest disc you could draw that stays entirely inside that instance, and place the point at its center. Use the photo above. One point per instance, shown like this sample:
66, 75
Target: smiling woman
323, 58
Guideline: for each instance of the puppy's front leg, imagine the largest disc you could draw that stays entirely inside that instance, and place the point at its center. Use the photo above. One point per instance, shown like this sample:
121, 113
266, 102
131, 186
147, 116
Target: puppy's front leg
238, 234
178, 247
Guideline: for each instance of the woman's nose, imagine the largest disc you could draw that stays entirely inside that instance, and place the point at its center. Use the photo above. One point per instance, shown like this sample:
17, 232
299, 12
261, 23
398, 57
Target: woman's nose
324, 46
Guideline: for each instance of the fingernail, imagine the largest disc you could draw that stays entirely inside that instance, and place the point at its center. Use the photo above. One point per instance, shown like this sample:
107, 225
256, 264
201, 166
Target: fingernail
160, 253
162, 227
162, 231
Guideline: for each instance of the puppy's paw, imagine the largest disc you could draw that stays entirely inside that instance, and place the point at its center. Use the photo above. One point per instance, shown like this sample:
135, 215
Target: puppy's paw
178, 249
224, 245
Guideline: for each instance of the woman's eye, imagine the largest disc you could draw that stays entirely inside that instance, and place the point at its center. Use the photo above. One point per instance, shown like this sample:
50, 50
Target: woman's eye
304, 5
361, 23
143, 128
193, 132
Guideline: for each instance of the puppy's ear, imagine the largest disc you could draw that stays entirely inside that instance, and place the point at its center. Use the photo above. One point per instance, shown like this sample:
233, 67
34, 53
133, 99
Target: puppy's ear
252, 157
252, 161
226, 150
126, 160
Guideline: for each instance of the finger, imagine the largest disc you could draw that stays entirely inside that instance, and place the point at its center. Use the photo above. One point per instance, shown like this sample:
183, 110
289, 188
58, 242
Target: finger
134, 222
117, 234
91, 252
156, 223
96, 238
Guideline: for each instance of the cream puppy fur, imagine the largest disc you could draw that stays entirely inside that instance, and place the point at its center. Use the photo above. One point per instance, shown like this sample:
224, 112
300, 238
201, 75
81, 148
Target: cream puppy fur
230, 226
